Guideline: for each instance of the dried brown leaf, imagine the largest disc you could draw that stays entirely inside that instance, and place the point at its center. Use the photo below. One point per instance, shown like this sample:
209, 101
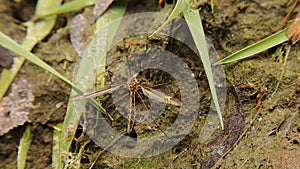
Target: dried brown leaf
293, 31
15, 108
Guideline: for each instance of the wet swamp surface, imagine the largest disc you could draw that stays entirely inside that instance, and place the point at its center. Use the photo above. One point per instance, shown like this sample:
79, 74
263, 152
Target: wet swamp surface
262, 122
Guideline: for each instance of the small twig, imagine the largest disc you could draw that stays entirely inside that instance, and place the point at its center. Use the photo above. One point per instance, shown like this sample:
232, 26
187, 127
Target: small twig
161, 130
79, 155
140, 96
175, 158
104, 150
288, 15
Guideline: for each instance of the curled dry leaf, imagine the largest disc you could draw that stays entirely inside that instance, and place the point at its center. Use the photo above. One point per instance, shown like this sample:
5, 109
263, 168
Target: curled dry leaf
15, 108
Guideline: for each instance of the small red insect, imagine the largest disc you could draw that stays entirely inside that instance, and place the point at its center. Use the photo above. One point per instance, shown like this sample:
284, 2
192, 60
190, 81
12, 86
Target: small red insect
161, 2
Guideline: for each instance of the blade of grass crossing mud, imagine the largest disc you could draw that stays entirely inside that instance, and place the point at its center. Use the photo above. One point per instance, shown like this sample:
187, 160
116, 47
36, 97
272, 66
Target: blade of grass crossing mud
96, 49
180, 6
258, 47
100, 26
69, 7
10, 44
56, 161
194, 23
23, 148
36, 31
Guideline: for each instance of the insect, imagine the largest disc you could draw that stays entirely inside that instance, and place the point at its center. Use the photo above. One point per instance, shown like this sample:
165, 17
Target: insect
135, 88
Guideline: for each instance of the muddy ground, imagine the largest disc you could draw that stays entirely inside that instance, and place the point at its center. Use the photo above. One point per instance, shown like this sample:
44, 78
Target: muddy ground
262, 124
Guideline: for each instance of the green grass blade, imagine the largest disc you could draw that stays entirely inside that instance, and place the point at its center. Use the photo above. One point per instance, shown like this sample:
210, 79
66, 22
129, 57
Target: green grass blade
8, 76
56, 161
180, 6
10, 44
96, 50
212, 5
24, 147
194, 23
35, 32
38, 30
69, 7
258, 47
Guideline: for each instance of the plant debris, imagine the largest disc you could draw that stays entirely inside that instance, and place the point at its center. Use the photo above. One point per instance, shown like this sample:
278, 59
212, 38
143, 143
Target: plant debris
15, 108
294, 30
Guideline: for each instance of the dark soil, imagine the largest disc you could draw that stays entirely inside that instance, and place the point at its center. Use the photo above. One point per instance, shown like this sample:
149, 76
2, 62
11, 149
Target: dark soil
262, 124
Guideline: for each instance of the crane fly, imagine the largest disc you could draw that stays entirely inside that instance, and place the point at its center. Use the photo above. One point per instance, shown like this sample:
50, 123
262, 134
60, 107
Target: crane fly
133, 85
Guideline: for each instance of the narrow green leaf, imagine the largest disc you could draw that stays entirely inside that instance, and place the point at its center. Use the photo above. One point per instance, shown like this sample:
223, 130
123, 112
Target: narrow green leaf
94, 53
195, 25
212, 5
181, 5
36, 31
56, 161
69, 7
258, 47
10, 44
24, 147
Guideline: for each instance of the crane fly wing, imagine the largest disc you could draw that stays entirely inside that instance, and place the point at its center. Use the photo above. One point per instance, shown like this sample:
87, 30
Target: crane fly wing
160, 96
